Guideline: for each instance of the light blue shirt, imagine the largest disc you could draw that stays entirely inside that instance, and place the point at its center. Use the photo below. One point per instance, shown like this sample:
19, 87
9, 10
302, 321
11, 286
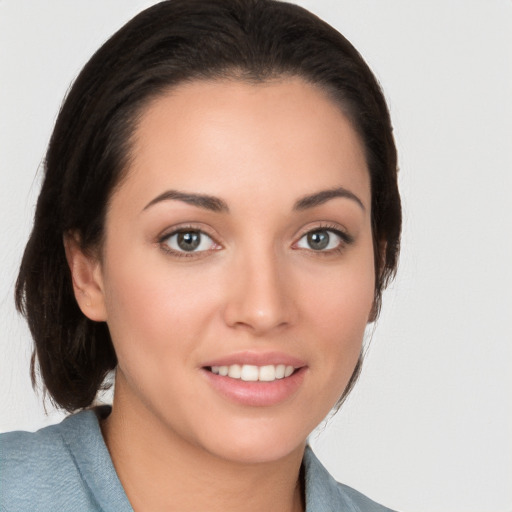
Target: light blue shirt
67, 468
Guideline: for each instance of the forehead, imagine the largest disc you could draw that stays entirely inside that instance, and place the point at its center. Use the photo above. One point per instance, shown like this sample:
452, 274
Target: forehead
228, 137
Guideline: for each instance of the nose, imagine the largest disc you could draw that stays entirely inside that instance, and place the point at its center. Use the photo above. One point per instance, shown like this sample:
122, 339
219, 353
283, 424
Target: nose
260, 299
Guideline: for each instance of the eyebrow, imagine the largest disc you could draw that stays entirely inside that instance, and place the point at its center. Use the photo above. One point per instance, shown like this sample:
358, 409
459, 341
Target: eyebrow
323, 196
207, 202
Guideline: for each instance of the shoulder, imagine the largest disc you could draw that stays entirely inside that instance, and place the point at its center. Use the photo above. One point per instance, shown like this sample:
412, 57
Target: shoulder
41, 471
18, 450
324, 494
28, 458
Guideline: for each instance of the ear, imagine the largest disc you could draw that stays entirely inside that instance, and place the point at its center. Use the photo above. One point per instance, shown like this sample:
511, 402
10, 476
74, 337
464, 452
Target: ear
87, 278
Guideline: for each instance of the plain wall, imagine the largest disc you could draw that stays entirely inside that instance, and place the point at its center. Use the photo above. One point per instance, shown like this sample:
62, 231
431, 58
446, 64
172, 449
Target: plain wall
428, 427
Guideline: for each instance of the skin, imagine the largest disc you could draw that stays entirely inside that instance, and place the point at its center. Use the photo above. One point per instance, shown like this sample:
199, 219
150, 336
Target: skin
255, 286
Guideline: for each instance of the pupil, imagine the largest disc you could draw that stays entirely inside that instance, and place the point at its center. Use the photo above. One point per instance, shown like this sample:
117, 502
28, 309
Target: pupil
189, 240
318, 240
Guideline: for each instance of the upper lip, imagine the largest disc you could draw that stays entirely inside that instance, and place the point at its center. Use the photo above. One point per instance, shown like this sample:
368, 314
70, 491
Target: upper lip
256, 359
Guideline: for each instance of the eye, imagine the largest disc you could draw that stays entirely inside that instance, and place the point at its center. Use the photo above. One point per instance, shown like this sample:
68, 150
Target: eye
188, 241
323, 240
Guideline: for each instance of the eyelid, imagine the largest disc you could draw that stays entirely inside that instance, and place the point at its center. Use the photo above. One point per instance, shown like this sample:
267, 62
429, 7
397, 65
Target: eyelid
328, 226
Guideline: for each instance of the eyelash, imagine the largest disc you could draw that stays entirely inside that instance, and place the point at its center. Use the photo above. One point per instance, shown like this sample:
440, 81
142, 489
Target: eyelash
345, 238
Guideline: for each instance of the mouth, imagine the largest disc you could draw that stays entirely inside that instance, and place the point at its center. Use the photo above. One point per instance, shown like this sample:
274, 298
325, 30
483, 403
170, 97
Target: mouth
253, 373
251, 378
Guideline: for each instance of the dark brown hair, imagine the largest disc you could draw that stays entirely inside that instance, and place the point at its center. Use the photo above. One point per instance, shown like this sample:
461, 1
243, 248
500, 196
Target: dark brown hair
170, 43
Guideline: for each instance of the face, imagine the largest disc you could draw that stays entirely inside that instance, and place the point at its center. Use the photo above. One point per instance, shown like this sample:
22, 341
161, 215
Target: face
237, 272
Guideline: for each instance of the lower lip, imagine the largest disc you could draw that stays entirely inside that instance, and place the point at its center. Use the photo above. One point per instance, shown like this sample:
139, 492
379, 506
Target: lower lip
256, 394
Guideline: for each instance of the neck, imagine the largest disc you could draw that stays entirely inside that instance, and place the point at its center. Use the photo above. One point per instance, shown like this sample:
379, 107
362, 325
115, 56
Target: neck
161, 471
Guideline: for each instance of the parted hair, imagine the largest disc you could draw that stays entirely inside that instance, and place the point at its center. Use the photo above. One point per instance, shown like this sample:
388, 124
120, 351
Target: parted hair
173, 42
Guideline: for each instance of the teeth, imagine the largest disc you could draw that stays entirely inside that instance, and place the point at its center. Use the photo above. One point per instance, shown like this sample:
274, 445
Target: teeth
267, 373
249, 373
280, 369
235, 371
252, 373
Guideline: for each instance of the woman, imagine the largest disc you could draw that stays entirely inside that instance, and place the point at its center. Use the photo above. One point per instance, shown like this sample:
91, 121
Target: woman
218, 219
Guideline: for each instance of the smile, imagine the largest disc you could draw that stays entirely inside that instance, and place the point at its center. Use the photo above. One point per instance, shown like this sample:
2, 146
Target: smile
253, 373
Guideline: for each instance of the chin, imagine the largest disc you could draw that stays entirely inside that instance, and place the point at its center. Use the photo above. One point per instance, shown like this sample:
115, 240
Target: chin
256, 444
258, 453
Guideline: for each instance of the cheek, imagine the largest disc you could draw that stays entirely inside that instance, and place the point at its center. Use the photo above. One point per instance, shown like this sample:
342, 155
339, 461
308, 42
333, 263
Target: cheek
154, 312
341, 299
339, 310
